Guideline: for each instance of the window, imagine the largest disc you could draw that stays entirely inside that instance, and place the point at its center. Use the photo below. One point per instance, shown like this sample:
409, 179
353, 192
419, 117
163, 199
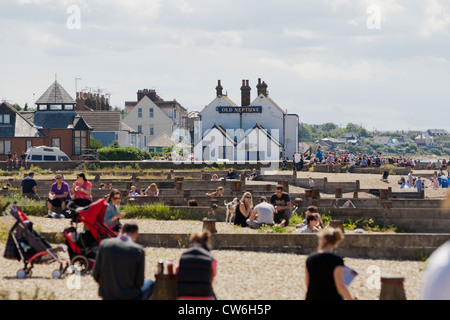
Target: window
140, 113
49, 158
5, 147
140, 129
80, 141
28, 144
5, 119
55, 107
56, 143
68, 107
36, 157
63, 158
151, 112
42, 107
152, 130
174, 113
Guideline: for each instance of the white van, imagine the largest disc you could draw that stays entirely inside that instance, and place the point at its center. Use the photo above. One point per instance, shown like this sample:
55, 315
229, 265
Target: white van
43, 153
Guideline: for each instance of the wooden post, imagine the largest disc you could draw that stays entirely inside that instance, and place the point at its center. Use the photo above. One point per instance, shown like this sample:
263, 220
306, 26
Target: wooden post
97, 177
355, 195
315, 194
268, 187
337, 224
384, 193
210, 225
392, 288
338, 193
298, 202
187, 193
165, 287
285, 185
179, 185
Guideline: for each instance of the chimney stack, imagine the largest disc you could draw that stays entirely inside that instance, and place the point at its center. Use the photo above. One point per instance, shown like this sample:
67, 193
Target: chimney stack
262, 88
245, 93
219, 89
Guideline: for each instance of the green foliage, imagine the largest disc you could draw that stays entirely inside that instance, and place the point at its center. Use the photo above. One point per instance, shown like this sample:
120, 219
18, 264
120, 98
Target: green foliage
158, 211
36, 295
95, 144
370, 225
123, 154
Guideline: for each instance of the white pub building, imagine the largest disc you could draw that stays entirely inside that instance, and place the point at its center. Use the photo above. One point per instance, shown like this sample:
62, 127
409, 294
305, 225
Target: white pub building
257, 130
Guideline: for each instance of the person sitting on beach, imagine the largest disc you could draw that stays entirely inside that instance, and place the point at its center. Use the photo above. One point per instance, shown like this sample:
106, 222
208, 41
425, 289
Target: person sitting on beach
253, 175
133, 192
231, 174
7, 186
196, 270
152, 191
23, 159
59, 195
29, 186
419, 184
263, 213
112, 215
82, 190
311, 183
282, 203
310, 211
218, 193
102, 186
119, 268
243, 210
312, 224
215, 177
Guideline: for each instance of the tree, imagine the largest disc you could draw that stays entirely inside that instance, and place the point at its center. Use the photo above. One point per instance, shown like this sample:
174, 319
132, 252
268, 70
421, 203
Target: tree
351, 127
26, 107
17, 107
304, 133
329, 126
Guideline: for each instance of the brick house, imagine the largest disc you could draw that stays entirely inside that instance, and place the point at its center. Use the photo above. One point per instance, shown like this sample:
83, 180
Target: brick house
54, 124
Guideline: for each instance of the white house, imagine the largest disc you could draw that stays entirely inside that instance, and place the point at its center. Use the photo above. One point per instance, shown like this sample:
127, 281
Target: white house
250, 118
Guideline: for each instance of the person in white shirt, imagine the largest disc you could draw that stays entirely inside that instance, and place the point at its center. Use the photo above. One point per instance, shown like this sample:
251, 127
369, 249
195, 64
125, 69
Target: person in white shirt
312, 224
263, 213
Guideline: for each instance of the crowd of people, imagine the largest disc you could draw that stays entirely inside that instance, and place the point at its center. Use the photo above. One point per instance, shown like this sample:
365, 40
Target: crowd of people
15, 162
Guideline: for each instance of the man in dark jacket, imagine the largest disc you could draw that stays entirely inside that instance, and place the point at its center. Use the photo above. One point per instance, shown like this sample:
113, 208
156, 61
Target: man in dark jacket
119, 268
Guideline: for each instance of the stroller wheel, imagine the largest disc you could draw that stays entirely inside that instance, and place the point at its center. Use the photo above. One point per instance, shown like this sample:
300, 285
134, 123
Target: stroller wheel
56, 274
21, 274
80, 264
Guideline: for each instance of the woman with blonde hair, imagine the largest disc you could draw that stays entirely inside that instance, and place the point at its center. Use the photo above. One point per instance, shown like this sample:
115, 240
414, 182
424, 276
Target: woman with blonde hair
152, 190
324, 274
197, 269
243, 210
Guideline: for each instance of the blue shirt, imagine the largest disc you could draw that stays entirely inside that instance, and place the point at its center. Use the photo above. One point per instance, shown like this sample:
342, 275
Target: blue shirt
319, 156
110, 212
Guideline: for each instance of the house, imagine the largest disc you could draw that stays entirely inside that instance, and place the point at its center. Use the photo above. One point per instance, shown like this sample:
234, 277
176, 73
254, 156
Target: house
107, 127
152, 116
406, 139
350, 136
262, 114
384, 140
215, 144
54, 124
437, 132
164, 140
424, 139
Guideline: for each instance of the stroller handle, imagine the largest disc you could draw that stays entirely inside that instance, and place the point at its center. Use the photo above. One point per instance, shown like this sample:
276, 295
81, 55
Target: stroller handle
6, 205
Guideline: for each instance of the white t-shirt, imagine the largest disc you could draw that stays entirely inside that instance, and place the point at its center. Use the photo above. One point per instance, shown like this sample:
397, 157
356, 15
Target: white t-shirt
265, 212
436, 276
297, 158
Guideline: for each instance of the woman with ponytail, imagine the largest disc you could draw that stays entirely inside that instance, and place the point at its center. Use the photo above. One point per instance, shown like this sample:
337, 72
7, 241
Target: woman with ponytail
197, 269
324, 274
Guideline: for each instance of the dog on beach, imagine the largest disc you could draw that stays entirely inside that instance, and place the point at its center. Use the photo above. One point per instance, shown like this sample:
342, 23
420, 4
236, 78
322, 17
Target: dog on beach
231, 209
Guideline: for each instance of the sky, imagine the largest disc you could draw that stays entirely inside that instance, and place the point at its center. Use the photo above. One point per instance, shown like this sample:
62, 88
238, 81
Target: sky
384, 64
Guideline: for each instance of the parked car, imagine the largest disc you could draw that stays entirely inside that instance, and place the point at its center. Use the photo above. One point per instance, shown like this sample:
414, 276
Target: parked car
44, 153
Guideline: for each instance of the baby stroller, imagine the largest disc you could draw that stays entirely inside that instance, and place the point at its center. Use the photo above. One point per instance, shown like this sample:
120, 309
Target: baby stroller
83, 247
25, 244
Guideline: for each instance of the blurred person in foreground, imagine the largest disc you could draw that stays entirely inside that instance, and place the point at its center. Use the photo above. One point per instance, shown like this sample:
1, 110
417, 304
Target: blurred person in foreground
197, 269
436, 276
324, 275
120, 267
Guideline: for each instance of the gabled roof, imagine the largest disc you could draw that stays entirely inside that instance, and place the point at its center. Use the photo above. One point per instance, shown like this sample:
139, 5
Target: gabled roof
222, 131
55, 94
381, 139
125, 127
163, 140
102, 120
264, 131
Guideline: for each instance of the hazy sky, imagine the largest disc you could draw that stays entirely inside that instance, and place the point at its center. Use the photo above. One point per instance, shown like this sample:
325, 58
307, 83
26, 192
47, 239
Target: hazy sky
325, 60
